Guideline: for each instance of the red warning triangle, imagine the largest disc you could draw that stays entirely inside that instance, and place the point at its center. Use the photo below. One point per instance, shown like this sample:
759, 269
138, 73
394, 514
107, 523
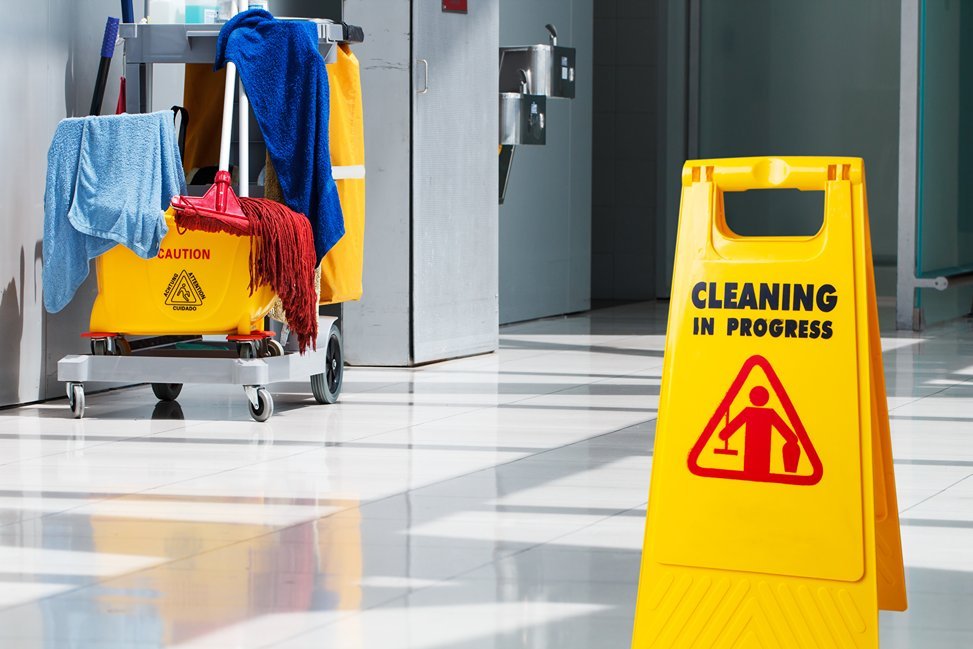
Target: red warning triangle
756, 436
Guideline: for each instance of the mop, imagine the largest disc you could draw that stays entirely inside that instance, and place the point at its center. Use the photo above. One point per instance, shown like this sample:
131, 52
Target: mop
282, 243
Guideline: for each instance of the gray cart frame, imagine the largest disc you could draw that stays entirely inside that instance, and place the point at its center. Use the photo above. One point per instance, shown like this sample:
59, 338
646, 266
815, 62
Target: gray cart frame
146, 45
250, 364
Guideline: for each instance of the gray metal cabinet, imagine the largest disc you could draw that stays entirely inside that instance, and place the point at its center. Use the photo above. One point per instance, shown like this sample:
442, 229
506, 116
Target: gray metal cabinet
454, 180
431, 237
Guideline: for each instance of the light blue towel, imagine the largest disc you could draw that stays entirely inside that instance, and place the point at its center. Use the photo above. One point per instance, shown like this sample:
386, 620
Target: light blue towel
109, 181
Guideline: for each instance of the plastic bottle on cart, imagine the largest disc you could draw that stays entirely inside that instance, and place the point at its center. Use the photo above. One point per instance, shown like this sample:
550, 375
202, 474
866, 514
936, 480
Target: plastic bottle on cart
201, 11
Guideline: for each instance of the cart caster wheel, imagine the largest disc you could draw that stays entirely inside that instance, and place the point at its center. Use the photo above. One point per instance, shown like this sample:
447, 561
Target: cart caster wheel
122, 347
246, 350
265, 405
76, 399
326, 387
166, 391
274, 348
114, 346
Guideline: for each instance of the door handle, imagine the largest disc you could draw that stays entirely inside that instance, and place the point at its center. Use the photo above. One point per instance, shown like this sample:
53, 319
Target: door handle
425, 86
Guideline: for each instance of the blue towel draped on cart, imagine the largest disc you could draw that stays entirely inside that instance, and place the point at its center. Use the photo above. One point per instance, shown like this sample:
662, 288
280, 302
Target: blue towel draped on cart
109, 181
287, 83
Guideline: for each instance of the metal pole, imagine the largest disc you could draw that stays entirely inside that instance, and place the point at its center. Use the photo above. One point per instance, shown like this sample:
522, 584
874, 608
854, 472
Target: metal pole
907, 316
692, 109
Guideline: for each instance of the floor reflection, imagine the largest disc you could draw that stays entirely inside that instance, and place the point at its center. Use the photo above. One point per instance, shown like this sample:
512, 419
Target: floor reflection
495, 502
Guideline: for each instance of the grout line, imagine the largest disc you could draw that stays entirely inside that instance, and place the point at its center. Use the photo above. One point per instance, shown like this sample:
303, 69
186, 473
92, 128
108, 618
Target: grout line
938, 493
926, 396
68, 438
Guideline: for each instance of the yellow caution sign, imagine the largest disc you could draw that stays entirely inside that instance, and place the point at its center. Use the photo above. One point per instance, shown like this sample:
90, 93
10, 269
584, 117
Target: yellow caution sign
772, 518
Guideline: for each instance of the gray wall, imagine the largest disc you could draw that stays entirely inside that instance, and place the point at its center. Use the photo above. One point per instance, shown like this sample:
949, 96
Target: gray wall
377, 330
805, 78
48, 59
627, 77
674, 140
545, 222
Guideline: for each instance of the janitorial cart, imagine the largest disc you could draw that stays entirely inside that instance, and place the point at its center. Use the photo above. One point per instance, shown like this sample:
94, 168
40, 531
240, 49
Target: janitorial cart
189, 315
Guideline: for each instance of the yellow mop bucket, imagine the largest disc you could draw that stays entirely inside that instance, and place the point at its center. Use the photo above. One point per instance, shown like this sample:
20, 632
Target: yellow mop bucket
197, 284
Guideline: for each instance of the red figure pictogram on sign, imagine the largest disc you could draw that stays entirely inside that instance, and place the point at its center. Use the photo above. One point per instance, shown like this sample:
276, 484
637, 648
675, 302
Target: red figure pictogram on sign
775, 445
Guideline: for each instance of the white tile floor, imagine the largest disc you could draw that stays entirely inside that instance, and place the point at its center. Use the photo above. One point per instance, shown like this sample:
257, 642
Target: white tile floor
494, 501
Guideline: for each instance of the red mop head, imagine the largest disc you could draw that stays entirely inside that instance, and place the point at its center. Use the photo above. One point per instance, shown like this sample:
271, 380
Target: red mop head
281, 254
218, 210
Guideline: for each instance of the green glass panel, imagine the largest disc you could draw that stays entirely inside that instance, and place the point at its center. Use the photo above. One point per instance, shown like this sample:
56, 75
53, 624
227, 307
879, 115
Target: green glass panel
944, 216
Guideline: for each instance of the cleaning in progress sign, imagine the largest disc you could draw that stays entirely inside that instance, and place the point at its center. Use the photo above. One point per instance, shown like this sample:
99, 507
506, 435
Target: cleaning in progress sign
772, 518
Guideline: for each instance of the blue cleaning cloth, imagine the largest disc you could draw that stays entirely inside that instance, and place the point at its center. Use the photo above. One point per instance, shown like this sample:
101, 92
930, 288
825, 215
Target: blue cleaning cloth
287, 83
109, 181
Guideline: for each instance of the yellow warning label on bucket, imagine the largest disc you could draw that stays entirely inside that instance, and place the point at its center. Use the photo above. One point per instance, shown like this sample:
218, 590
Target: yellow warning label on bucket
184, 292
772, 510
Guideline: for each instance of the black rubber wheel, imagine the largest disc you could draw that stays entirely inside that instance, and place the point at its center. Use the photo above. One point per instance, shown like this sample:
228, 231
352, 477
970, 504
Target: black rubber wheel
245, 350
76, 399
326, 387
265, 406
100, 346
166, 391
274, 348
122, 347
